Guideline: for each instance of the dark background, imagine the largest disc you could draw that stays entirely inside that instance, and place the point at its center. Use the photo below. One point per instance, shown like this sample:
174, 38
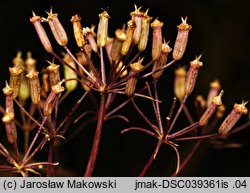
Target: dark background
221, 32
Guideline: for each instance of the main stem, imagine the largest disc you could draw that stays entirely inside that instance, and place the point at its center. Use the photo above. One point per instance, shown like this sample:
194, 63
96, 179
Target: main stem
50, 157
97, 137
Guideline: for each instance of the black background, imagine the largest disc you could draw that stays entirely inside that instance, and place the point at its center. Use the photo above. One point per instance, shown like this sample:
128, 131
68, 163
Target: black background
221, 32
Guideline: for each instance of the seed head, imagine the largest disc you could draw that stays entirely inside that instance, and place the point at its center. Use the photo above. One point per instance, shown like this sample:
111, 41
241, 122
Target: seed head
8, 92
131, 83
179, 83
18, 61
216, 101
165, 50
120, 37
15, 79
77, 28
34, 85
102, 31
48, 106
10, 126
30, 63
54, 73
233, 117
108, 48
57, 28
137, 17
70, 74
143, 41
130, 31
220, 111
192, 75
45, 80
121, 67
89, 33
181, 39
36, 21
157, 39
215, 86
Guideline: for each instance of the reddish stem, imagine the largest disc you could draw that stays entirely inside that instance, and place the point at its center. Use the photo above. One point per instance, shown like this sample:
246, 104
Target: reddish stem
50, 158
188, 158
151, 159
97, 137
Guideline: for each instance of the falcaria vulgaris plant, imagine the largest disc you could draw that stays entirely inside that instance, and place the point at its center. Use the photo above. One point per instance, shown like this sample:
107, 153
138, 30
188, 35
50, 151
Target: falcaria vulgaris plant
105, 68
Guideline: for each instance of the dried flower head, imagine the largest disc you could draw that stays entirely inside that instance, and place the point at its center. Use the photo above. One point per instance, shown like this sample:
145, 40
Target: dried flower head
89, 33
120, 37
131, 83
165, 50
10, 126
57, 28
181, 39
45, 80
136, 15
70, 74
216, 101
18, 61
215, 87
108, 48
102, 31
30, 63
220, 111
179, 83
77, 28
8, 92
130, 32
157, 39
143, 41
192, 75
34, 85
54, 73
121, 67
36, 21
55, 91
233, 117
15, 79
